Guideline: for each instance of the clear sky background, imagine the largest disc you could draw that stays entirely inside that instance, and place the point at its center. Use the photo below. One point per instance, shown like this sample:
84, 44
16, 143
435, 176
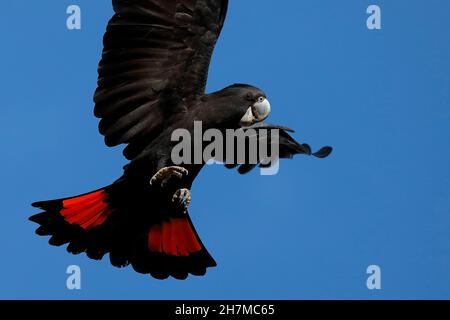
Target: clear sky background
381, 98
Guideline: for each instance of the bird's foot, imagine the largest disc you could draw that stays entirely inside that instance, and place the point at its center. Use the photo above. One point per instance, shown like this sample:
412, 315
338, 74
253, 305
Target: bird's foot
182, 197
165, 174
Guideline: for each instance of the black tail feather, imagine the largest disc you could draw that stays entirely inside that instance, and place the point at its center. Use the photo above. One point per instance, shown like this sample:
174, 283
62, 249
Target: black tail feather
124, 239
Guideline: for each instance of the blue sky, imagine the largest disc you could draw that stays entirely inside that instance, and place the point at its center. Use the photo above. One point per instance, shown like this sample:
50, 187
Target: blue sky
381, 98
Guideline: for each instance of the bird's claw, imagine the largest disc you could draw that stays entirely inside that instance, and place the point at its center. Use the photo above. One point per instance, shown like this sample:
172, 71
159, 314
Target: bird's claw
182, 197
165, 174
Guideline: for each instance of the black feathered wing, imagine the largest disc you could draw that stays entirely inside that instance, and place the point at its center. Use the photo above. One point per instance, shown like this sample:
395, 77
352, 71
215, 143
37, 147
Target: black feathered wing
154, 66
287, 146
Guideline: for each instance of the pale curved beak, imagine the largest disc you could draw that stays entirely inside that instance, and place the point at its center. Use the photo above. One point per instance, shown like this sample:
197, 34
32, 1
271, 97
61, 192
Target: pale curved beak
261, 110
256, 113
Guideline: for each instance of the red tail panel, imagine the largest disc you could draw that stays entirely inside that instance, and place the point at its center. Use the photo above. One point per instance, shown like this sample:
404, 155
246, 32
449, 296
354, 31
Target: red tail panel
175, 237
87, 211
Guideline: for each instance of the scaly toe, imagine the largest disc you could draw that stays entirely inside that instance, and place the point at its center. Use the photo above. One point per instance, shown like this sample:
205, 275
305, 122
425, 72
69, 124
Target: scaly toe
182, 197
165, 174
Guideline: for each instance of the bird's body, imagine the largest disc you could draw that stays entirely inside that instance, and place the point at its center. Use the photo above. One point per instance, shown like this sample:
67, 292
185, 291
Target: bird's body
152, 80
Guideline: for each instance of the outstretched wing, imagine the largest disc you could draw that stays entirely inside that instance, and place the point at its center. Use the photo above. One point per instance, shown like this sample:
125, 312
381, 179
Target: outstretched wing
154, 65
288, 147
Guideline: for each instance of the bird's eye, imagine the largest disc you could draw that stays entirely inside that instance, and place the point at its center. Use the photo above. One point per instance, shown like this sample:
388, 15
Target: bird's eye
261, 99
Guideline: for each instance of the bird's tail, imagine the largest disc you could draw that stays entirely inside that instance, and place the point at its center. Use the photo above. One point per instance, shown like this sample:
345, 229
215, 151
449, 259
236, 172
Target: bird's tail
108, 220
87, 210
75, 220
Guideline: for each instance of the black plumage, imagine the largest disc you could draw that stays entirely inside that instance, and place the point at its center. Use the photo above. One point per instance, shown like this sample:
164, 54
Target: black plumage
152, 78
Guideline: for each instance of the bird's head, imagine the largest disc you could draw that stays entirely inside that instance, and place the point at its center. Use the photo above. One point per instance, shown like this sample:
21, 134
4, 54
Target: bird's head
258, 110
249, 104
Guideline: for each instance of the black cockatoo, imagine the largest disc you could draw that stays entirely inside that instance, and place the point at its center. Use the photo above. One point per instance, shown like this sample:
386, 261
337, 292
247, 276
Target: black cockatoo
152, 79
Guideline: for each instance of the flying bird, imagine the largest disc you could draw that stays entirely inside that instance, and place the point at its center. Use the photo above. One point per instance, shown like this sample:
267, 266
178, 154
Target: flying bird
151, 81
